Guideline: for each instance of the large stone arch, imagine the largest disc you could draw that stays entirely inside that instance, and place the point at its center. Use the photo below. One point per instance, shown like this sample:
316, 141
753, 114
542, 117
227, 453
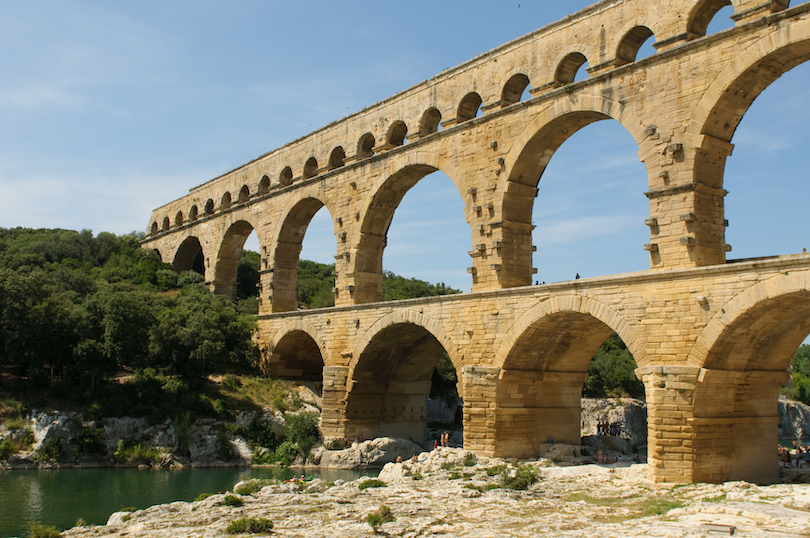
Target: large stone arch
432, 326
290, 352
285, 248
229, 251
724, 103
189, 256
743, 353
543, 361
389, 377
377, 212
580, 305
527, 160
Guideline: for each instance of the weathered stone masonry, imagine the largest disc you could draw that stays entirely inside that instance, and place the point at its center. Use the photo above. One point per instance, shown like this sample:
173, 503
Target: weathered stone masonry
712, 339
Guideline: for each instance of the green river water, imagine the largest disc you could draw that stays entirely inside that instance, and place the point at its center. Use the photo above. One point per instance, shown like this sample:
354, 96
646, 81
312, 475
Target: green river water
60, 497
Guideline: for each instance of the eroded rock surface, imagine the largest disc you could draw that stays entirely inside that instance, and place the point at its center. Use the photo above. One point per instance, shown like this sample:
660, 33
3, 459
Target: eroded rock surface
447, 492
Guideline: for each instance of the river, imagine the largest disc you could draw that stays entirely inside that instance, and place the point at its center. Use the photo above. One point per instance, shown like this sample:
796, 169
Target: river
61, 497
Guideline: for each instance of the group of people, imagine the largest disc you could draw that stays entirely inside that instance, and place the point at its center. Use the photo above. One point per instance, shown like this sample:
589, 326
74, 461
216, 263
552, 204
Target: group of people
799, 455
614, 429
443, 441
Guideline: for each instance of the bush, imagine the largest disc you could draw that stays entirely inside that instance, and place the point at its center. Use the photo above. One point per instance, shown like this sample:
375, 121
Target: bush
52, 450
202, 497
224, 446
249, 525
88, 441
382, 515
335, 444
232, 500
371, 483
495, 470
35, 530
469, 460
128, 452
302, 429
523, 479
260, 433
7, 449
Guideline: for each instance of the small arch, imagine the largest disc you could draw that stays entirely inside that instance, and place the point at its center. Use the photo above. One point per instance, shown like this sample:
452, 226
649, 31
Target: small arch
337, 158
569, 66
311, 167
209, 207
702, 15
192, 213
178, 219
469, 106
166, 224
244, 194
513, 89
631, 43
154, 229
396, 134
431, 121
225, 203
365, 146
264, 185
286, 176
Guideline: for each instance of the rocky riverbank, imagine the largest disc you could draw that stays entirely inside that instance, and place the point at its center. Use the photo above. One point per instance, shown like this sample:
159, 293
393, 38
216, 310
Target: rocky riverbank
452, 492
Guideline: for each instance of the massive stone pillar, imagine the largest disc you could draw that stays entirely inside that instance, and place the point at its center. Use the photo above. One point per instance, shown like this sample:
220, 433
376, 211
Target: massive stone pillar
510, 413
480, 387
670, 392
333, 401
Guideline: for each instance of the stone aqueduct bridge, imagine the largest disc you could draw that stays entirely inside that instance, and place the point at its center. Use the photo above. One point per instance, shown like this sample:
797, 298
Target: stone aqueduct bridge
712, 339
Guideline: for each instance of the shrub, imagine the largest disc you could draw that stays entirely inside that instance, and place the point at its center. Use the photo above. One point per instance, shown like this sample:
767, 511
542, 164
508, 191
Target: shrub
335, 444
232, 500
249, 487
371, 483
302, 429
88, 441
260, 433
202, 496
14, 423
224, 446
469, 460
495, 470
249, 525
35, 530
524, 477
417, 476
52, 450
7, 449
382, 515
128, 452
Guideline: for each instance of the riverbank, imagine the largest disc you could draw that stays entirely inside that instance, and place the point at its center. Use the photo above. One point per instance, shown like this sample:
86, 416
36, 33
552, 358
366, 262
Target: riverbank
452, 492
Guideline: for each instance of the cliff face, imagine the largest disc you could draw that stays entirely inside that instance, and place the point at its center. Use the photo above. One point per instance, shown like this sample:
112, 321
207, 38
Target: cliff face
794, 419
630, 414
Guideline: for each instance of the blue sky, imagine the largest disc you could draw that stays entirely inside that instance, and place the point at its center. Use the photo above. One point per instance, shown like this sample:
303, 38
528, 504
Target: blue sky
110, 109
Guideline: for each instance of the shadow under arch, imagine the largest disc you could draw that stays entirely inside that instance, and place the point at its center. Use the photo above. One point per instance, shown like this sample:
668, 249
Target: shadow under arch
743, 354
297, 351
390, 379
543, 361
377, 212
528, 159
189, 256
228, 256
287, 251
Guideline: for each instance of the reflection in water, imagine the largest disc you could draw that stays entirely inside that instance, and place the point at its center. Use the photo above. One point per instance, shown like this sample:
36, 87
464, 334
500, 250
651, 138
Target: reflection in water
60, 497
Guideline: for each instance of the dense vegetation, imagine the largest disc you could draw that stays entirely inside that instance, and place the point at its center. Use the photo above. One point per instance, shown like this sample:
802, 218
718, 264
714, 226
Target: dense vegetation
800, 365
76, 309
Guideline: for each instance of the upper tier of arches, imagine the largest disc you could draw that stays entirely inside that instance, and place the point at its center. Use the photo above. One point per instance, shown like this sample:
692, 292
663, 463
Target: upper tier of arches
535, 64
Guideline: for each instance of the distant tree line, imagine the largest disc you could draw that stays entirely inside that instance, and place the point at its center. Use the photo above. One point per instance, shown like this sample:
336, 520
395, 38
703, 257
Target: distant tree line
81, 308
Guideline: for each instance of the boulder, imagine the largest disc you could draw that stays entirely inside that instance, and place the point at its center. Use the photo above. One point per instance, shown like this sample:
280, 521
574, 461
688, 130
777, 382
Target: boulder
369, 454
